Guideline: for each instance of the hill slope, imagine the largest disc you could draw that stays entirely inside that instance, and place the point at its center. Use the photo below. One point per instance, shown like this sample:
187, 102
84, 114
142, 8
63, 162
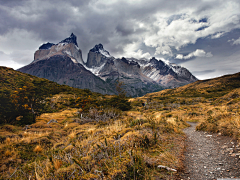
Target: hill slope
216, 87
26, 96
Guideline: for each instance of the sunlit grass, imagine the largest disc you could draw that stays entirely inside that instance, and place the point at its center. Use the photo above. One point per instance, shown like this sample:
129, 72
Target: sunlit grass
129, 145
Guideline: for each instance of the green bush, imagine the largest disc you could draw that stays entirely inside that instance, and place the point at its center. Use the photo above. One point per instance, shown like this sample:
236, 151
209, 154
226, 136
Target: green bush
120, 103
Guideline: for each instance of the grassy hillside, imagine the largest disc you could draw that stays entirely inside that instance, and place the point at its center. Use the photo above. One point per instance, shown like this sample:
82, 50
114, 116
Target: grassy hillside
26, 96
85, 135
214, 103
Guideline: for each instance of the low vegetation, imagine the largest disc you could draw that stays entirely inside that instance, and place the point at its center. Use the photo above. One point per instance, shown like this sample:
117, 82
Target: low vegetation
78, 134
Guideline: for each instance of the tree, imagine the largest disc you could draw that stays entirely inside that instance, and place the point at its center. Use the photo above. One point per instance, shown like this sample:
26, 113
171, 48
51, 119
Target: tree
120, 101
7, 108
119, 88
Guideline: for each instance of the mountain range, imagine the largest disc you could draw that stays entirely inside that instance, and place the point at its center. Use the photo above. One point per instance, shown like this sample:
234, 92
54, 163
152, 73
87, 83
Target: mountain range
63, 63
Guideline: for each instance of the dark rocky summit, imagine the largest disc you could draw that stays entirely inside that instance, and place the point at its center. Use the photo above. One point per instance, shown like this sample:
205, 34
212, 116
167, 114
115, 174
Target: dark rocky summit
71, 39
97, 56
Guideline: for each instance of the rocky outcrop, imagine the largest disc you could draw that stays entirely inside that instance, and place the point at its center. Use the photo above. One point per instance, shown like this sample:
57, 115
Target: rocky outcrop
66, 47
128, 72
97, 56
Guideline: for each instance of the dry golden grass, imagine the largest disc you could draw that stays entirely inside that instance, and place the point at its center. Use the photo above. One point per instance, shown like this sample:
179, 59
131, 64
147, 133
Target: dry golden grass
7, 153
57, 164
152, 136
69, 137
38, 149
132, 145
72, 135
59, 116
7, 141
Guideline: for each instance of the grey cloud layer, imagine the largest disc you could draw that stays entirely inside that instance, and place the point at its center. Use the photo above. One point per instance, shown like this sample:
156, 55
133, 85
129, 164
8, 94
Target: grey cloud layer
135, 28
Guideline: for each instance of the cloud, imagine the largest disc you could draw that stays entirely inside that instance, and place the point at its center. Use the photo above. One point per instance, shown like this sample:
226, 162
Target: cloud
218, 35
139, 54
236, 42
137, 28
197, 53
6, 60
132, 50
155, 22
188, 27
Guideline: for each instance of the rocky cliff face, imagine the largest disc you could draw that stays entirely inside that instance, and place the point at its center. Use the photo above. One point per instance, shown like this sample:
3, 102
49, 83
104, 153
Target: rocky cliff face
129, 72
68, 47
167, 75
61, 69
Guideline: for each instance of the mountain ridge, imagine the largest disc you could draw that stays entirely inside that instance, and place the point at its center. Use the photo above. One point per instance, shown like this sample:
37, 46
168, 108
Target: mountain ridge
139, 76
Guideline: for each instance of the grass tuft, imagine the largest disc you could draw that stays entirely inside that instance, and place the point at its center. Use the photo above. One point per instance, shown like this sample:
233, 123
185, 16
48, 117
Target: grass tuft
38, 149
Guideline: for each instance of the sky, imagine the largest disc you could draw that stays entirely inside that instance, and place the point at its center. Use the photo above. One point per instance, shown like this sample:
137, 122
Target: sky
201, 35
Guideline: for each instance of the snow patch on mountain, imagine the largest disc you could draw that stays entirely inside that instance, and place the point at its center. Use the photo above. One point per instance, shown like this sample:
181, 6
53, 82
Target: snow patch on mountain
154, 74
104, 52
176, 68
99, 49
95, 70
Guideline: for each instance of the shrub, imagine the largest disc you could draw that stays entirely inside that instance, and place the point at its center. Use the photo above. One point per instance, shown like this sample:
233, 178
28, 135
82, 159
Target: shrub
120, 102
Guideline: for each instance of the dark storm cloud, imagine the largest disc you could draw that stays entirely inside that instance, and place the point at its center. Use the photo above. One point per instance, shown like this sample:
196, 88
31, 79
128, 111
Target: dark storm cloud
124, 30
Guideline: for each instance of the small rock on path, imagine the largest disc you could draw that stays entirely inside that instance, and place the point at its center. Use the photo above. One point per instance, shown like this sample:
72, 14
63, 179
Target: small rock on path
210, 156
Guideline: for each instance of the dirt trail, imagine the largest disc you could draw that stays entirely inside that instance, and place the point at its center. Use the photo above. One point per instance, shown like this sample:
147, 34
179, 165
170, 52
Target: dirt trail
210, 156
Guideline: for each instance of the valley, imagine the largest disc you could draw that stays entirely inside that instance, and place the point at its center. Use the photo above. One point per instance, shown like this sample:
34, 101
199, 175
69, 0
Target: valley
79, 134
120, 90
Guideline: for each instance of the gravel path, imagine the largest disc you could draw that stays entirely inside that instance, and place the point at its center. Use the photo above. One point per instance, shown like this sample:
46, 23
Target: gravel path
210, 156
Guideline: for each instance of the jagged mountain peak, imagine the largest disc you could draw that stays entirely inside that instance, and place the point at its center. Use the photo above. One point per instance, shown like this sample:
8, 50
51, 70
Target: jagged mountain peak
71, 39
98, 48
129, 61
153, 60
156, 62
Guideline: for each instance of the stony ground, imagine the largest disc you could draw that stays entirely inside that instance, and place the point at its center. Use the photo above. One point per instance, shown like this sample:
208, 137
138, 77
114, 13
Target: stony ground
210, 156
